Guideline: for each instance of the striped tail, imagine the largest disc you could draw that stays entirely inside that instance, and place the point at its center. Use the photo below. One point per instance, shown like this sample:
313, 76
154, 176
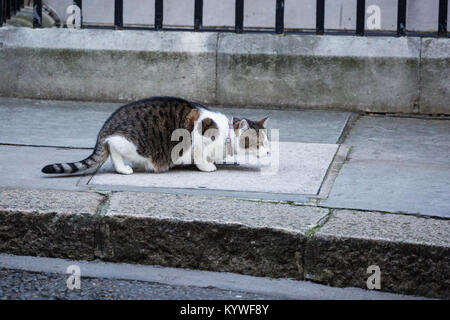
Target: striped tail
95, 159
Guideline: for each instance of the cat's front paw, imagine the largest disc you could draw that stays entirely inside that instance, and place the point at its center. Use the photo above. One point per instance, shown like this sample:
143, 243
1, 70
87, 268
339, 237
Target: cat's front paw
207, 167
125, 170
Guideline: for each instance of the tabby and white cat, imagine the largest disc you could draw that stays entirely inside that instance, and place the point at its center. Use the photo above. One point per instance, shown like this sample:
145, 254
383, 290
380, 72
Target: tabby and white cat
141, 132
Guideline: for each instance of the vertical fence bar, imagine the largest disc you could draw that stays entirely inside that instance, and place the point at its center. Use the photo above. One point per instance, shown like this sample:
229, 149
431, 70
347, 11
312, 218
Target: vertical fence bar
118, 14
37, 13
320, 16
158, 14
443, 9
198, 15
279, 17
360, 17
22, 3
18, 5
239, 16
401, 18
79, 4
13, 7
1, 13
7, 9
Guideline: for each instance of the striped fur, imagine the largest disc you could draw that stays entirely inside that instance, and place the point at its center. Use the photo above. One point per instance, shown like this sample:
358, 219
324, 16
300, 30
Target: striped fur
99, 156
147, 123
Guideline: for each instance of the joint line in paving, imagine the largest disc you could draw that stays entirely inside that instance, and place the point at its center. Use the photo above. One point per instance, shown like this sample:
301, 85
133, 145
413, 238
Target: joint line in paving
42, 146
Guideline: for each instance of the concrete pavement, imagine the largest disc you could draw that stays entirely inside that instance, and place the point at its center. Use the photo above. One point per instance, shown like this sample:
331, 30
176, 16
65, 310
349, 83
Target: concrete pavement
396, 165
385, 203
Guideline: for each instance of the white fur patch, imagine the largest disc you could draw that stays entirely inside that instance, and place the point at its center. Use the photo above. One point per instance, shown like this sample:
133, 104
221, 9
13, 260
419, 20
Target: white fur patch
213, 150
123, 149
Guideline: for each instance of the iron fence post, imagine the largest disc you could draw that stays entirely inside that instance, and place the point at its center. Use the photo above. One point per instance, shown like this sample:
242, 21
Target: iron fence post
401, 18
279, 17
7, 9
360, 17
79, 4
1, 13
118, 14
198, 15
443, 10
320, 17
239, 16
159, 7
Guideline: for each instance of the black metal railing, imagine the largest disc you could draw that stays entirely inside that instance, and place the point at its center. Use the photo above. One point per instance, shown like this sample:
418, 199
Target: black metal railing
118, 14
158, 14
239, 16
401, 18
443, 12
8, 8
198, 15
320, 17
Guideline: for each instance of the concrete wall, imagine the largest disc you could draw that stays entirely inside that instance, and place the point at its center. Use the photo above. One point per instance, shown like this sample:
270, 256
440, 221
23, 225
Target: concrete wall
435, 76
299, 14
105, 65
354, 73
377, 74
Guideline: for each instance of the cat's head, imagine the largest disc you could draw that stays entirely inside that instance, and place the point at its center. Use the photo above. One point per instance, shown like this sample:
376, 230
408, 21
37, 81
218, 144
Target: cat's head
252, 137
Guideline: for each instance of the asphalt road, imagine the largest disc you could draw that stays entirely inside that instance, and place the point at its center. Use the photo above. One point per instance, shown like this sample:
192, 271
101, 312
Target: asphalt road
25, 285
24, 277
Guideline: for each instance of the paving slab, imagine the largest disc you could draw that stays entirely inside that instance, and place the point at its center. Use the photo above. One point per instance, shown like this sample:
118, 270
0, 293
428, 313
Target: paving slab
302, 169
311, 126
387, 227
394, 186
52, 123
400, 139
396, 165
48, 223
21, 167
413, 253
220, 234
76, 124
224, 210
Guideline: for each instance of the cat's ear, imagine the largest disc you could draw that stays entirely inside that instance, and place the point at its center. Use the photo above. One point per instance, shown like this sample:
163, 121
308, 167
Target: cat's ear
191, 118
243, 125
236, 122
263, 122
